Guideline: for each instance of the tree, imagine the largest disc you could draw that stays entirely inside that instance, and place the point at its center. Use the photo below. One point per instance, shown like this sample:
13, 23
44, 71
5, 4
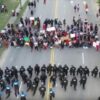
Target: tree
98, 1
1, 1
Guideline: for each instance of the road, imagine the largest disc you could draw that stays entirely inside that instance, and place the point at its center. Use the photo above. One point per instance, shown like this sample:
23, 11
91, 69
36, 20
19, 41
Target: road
71, 56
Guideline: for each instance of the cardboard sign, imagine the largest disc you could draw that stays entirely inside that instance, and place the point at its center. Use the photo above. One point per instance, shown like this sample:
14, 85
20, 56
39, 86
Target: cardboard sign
31, 18
72, 35
42, 31
94, 44
51, 29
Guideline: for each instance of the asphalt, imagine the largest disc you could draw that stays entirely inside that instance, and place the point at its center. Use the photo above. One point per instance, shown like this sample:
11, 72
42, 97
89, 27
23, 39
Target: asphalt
71, 56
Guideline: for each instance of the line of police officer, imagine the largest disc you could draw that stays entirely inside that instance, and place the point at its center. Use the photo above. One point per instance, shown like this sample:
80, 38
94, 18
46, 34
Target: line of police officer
10, 78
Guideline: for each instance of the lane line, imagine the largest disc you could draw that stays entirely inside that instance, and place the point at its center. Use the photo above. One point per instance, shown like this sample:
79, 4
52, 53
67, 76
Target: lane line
48, 82
49, 85
82, 58
20, 86
19, 89
51, 56
56, 9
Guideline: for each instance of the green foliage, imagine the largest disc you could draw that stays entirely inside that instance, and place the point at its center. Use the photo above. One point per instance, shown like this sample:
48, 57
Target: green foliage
4, 17
98, 1
1, 1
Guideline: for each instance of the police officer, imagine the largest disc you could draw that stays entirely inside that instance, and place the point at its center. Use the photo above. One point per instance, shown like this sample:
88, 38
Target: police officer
72, 70
60, 69
24, 77
53, 79
86, 71
8, 91
1, 73
29, 84
15, 72
49, 69
22, 70
2, 84
7, 78
30, 71
37, 69
34, 87
43, 77
43, 68
23, 96
83, 81
42, 90
74, 82
52, 93
16, 87
95, 72
80, 71
7, 70
64, 83
36, 80
65, 69
55, 69
61, 76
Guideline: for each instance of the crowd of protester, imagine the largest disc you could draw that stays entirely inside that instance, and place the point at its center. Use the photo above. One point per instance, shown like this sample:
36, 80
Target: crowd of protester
35, 78
53, 33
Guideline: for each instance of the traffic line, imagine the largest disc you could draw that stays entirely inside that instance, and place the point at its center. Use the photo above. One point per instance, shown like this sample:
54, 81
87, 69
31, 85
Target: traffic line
20, 88
56, 9
52, 61
49, 85
82, 58
51, 56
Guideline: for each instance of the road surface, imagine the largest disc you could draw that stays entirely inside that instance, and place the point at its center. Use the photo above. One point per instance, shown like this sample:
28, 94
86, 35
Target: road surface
71, 56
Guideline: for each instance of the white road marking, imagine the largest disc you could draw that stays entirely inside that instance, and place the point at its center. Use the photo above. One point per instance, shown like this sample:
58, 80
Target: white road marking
72, 2
82, 58
19, 89
20, 86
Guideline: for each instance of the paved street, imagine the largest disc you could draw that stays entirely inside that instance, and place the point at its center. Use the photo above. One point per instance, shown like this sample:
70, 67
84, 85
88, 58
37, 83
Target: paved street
71, 56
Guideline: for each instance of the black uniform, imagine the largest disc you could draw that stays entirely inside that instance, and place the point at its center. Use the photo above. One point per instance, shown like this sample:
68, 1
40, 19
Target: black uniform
74, 82
83, 81
65, 69
72, 70
95, 72
80, 71
43, 68
53, 79
29, 85
37, 69
42, 90
64, 83
22, 70
86, 71
49, 69
43, 77
30, 71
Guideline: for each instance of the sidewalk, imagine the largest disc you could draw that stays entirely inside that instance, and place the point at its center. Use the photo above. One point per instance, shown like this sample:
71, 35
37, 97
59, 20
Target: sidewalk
13, 19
